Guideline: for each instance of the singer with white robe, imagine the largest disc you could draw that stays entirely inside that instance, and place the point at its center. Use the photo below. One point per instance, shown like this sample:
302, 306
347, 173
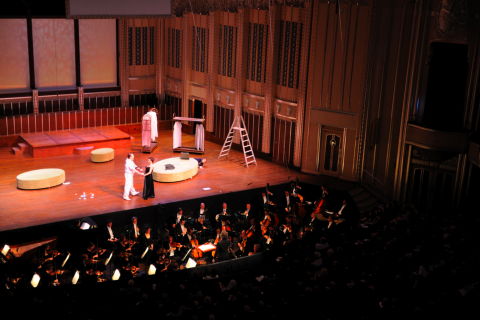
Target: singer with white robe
149, 130
130, 170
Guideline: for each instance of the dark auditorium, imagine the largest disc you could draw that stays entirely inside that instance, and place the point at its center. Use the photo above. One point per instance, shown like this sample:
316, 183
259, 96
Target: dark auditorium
236, 159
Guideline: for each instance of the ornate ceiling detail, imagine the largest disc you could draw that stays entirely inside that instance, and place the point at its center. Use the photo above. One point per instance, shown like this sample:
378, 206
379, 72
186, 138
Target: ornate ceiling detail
180, 7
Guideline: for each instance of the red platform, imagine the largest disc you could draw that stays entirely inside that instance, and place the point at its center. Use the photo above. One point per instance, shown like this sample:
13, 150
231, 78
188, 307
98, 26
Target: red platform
57, 143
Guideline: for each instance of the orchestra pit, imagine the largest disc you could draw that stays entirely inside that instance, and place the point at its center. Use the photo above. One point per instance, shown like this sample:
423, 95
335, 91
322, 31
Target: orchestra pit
205, 159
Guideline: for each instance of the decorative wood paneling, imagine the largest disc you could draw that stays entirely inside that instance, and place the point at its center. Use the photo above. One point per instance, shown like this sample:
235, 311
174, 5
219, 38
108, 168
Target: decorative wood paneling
53, 121
174, 46
227, 44
283, 139
199, 49
254, 124
172, 106
223, 119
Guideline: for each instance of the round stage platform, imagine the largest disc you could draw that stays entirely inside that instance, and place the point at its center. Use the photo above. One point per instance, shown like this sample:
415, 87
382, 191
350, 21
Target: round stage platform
174, 169
40, 179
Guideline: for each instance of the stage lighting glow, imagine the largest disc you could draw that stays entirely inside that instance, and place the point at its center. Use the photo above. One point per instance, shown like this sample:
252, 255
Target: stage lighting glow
151, 270
206, 247
116, 275
108, 259
6, 249
84, 226
190, 263
66, 259
75, 278
35, 280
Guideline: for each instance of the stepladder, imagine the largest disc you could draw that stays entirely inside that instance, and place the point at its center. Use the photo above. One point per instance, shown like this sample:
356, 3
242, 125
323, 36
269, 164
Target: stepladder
238, 125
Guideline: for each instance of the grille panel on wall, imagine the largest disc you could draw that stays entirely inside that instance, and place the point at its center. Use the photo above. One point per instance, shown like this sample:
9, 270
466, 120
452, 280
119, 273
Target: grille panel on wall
289, 52
171, 106
15, 108
173, 47
227, 46
149, 99
58, 105
223, 119
254, 124
141, 43
257, 52
283, 141
101, 102
199, 49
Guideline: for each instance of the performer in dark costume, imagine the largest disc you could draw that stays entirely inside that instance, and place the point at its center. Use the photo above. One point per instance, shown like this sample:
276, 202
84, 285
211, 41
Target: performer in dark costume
148, 189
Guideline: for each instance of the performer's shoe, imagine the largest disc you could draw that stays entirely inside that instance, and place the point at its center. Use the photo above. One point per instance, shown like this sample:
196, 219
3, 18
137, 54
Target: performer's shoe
135, 193
126, 198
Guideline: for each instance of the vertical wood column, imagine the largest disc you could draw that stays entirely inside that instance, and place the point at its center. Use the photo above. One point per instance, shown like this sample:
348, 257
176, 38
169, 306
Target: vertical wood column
302, 86
212, 73
186, 54
122, 60
270, 79
240, 67
81, 97
416, 54
35, 101
160, 63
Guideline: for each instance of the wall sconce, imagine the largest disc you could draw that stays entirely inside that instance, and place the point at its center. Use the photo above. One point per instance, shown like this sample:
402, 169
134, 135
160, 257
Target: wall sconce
257, 105
218, 96
278, 108
228, 99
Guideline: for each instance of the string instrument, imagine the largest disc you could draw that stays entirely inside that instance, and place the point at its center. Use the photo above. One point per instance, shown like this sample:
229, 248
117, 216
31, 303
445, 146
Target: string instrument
319, 207
250, 232
196, 253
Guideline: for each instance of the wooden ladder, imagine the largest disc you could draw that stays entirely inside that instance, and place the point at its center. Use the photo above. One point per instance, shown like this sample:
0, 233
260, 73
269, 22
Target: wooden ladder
239, 125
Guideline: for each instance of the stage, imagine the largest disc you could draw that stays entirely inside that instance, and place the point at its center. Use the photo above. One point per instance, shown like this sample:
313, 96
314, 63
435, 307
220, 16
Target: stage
102, 183
64, 142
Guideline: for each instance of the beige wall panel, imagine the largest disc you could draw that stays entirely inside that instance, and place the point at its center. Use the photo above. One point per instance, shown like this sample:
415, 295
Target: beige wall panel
54, 51
14, 68
98, 52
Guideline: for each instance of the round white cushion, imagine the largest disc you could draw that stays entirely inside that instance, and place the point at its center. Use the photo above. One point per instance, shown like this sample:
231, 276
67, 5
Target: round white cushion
40, 179
102, 155
184, 169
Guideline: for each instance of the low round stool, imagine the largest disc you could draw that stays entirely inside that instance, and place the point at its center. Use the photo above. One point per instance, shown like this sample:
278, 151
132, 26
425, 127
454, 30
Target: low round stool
40, 179
102, 155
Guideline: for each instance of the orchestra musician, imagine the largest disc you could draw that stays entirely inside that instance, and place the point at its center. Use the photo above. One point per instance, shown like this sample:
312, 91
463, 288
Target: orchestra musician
224, 215
201, 228
222, 251
202, 211
134, 229
182, 233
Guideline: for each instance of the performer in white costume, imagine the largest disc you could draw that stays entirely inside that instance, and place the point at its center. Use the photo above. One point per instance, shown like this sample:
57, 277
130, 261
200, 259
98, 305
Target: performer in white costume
153, 116
130, 170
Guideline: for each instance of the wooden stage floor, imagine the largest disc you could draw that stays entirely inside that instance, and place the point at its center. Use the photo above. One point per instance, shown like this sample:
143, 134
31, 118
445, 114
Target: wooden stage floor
25, 208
